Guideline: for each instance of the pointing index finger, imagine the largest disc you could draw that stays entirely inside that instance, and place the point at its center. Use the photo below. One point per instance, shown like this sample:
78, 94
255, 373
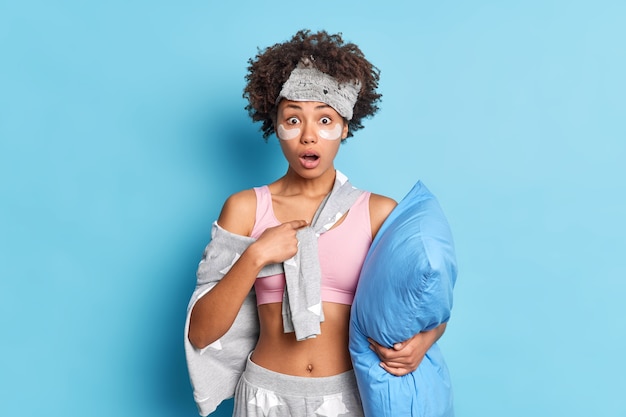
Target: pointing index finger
298, 224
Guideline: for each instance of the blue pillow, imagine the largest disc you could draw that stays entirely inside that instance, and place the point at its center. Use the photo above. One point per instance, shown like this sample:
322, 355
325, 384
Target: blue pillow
405, 288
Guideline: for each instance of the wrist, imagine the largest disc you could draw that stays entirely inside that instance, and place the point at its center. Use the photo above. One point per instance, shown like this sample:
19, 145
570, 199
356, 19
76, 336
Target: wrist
253, 256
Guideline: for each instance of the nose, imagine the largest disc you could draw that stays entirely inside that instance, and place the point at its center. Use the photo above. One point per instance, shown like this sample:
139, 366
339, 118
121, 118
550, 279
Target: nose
309, 133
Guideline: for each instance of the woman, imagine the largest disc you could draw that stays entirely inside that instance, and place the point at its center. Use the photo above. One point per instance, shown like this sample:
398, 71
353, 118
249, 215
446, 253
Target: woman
313, 93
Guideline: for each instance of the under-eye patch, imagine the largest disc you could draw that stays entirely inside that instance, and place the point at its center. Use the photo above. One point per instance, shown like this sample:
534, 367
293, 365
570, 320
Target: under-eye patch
331, 134
287, 134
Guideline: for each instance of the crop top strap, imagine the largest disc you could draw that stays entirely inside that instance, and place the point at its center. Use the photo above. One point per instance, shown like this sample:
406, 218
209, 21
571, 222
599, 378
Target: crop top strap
264, 212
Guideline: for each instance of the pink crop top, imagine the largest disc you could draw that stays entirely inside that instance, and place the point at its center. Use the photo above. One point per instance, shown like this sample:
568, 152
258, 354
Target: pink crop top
341, 251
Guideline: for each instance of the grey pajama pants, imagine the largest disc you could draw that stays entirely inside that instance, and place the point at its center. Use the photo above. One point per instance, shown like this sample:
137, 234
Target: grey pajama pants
264, 393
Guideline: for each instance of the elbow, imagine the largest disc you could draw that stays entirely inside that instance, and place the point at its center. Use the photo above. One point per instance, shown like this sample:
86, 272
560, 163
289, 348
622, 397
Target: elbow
195, 341
440, 330
198, 335
198, 341
203, 331
197, 332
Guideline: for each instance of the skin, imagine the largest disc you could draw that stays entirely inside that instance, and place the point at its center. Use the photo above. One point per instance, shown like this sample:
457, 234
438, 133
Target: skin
295, 197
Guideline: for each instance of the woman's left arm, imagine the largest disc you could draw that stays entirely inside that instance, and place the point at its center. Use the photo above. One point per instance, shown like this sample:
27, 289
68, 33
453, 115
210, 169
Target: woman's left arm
404, 357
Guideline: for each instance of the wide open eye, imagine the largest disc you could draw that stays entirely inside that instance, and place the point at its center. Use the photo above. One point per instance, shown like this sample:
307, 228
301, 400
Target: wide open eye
325, 120
293, 121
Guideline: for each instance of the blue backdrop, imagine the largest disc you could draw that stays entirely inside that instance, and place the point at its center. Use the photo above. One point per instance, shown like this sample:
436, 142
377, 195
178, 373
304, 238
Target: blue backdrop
122, 131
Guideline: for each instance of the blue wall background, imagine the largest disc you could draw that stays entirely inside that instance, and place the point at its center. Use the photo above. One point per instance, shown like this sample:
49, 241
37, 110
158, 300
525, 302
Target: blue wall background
122, 131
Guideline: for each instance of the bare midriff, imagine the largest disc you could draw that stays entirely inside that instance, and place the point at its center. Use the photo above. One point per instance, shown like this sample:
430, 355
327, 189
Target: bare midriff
325, 355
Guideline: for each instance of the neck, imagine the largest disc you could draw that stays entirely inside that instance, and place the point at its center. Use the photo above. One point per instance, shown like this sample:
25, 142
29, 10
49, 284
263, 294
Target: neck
293, 183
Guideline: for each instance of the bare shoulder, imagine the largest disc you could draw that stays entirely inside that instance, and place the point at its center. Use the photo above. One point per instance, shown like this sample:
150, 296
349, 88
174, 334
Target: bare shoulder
380, 207
239, 212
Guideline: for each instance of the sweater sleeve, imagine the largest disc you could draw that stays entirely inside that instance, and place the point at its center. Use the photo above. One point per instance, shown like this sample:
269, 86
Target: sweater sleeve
215, 370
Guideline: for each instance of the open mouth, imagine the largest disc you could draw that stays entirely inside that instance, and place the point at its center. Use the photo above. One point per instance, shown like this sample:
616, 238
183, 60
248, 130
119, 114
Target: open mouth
309, 159
309, 156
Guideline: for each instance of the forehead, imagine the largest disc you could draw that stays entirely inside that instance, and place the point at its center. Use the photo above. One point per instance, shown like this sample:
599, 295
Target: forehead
304, 106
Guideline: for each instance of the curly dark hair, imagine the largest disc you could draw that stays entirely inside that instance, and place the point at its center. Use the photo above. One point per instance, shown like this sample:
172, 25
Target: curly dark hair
268, 71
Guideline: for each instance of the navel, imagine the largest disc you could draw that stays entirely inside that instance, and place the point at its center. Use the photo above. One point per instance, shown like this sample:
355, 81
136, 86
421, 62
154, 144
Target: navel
309, 368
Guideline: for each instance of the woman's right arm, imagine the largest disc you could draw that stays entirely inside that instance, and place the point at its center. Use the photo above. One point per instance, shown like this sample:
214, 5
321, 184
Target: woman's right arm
215, 312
